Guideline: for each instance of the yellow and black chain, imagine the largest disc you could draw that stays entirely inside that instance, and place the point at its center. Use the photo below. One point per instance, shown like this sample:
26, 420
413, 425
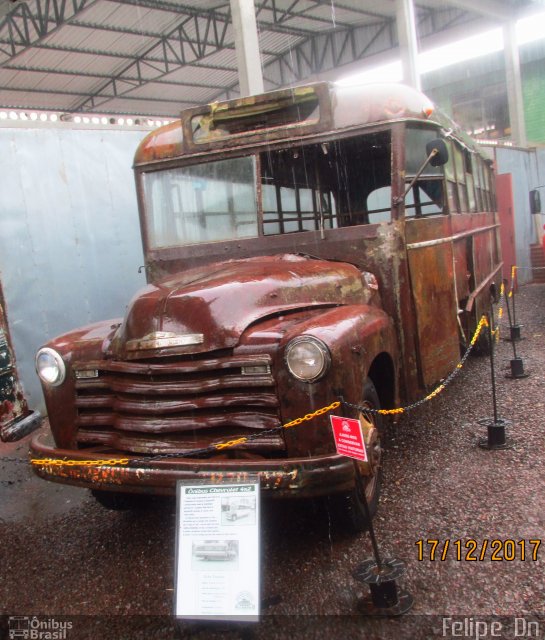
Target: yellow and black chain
188, 454
57, 462
496, 327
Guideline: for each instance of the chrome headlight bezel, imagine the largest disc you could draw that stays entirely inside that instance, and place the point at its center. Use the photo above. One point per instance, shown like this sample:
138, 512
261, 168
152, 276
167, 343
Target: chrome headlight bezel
58, 362
322, 351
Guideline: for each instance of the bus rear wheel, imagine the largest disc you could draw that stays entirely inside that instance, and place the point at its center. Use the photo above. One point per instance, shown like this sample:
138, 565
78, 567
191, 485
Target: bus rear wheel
348, 509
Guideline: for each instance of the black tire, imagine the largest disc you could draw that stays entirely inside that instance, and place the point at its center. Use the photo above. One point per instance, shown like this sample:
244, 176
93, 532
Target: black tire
348, 509
483, 346
120, 501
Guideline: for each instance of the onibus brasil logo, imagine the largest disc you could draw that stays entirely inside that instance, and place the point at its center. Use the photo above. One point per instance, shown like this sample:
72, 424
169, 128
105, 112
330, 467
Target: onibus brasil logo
32, 628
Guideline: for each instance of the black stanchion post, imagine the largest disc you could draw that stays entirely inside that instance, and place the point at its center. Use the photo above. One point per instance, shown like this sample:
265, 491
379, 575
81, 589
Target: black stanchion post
508, 307
517, 364
513, 296
380, 576
492, 341
370, 524
514, 328
496, 426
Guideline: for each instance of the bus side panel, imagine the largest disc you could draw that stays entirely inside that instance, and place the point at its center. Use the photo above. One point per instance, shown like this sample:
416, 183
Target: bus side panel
483, 254
463, 266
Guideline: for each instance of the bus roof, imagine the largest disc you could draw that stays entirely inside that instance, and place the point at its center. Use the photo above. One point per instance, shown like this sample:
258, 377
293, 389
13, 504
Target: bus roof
287, 113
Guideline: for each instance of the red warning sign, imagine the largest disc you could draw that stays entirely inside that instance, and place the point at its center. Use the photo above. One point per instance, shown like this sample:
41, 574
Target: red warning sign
349, 438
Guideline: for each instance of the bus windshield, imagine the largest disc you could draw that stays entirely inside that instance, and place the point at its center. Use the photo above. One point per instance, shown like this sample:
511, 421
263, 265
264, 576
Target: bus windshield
323, 185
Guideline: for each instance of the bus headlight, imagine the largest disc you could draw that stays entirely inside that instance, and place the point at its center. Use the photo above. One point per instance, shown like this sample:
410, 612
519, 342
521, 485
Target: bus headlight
50, 367
307, 358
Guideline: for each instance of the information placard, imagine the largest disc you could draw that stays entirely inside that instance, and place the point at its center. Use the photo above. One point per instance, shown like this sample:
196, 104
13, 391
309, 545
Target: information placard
217, 551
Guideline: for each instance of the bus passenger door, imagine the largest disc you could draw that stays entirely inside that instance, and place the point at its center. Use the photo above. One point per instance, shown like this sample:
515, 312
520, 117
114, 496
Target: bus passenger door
431, 267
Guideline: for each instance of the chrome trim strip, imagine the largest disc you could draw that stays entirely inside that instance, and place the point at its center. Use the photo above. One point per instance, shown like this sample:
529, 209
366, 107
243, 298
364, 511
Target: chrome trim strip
259, 365
158, 341
458, 236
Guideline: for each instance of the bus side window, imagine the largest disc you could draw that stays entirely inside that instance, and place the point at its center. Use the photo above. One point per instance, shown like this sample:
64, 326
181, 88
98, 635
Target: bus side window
379, 205
484, 205
426, 198
452, 187
491, 188
459, 165
477, 180
486, 187
468, 167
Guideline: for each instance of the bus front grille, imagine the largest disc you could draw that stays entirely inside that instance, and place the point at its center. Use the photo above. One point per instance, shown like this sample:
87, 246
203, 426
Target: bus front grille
177, 407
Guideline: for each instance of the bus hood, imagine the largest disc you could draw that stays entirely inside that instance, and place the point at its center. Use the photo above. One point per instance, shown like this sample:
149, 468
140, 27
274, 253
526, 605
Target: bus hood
209, 307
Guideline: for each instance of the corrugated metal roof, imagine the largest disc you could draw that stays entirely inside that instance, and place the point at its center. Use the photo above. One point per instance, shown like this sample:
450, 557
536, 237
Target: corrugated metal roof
146, 56
34, 100
123, 106
270, 40
127, 17
193, 74
83, 38
153, 90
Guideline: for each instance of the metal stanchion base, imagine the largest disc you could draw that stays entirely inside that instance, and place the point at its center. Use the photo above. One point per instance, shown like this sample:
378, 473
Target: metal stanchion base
366, 607
496, 440
386, 599
368, 571
484, 444
517, 369
514, 334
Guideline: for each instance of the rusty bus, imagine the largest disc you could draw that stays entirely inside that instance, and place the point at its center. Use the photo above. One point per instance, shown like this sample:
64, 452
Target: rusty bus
301, 245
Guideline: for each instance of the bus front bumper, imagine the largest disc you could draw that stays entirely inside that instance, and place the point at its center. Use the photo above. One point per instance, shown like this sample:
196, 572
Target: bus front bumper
287, 477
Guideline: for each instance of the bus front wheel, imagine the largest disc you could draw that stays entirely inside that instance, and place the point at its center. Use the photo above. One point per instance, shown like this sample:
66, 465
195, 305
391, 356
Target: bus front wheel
120, 501
348, 509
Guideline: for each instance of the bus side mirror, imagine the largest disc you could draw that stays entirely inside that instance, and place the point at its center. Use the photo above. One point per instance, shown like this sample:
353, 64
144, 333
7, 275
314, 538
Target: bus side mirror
535, 201
440, 157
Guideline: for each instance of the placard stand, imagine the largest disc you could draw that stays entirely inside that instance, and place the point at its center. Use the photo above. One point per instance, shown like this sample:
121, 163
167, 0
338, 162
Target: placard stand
217, 551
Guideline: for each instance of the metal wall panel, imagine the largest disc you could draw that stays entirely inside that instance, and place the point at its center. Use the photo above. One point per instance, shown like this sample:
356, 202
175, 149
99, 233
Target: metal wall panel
540, 186
70, 242
527, 169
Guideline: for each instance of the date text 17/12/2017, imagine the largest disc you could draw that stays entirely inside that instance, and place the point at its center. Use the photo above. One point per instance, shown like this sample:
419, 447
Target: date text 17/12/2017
472, 550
